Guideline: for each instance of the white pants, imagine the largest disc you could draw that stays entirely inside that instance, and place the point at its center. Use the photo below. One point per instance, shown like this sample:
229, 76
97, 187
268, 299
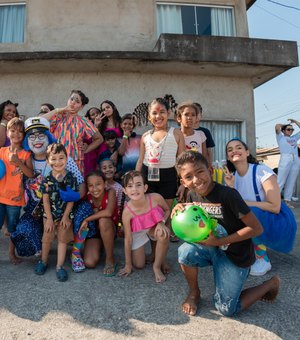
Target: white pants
288, 169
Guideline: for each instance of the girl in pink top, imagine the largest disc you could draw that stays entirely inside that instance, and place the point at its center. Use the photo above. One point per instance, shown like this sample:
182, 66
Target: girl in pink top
143, 219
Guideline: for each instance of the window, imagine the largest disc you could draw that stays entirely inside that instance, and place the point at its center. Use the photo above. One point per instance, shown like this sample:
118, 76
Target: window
12, 23
195, 20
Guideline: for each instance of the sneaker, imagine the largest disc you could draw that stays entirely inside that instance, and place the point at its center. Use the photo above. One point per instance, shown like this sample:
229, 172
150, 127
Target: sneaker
78, 264
40, 268
295, 199
260, 267
61, 274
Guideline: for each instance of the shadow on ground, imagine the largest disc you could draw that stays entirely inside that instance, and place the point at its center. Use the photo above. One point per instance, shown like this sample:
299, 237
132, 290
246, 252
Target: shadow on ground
89, 303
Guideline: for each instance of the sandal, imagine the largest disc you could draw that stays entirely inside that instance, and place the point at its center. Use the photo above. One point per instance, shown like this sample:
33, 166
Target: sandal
78, 265
110, 270
40, 268
61, 274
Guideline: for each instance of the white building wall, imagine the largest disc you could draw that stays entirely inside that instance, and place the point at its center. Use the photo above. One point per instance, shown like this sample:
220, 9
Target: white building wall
102, 25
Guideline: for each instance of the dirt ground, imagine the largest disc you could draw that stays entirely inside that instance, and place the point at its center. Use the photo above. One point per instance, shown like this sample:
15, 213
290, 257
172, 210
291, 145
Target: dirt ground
90, 306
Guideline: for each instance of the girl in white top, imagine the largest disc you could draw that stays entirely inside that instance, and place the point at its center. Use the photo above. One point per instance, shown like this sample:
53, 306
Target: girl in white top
158, 151
194, 140
257, 184
288, 167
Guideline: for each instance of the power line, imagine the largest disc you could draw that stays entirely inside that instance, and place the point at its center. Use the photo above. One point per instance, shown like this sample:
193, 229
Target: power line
276, 118
278, 17
287, 6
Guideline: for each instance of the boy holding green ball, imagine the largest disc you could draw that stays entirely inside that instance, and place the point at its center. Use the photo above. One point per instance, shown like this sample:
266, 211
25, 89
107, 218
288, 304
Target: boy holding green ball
231, 266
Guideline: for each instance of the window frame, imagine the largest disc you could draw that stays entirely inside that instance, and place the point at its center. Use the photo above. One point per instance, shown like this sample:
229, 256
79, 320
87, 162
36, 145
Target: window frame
195, 5
16, 3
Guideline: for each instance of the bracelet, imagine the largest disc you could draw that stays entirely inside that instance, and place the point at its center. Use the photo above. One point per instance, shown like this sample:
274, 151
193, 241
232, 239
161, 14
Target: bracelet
56, 111
125, 137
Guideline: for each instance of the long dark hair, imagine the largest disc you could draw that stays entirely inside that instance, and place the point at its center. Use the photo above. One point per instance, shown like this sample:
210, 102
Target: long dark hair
116, 116
6, 103
250, 159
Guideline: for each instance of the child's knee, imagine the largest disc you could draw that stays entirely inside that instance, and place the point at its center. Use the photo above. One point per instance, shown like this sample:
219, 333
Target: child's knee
226, 306
105, 224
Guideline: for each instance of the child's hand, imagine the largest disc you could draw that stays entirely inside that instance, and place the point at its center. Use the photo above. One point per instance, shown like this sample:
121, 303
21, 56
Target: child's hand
228, 177
178, 208
68, 110
161, 230
126, 270
65, 222
180, 193
211, 241
14, 159
114, 157
84, 226
49, 225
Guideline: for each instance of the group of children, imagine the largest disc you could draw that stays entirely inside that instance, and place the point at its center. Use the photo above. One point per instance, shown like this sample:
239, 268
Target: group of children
160, 165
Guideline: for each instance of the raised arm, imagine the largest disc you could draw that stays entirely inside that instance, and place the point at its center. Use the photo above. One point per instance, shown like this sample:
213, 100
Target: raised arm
278, 128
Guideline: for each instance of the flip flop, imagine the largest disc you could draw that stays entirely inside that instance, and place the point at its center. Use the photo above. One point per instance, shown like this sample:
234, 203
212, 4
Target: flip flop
108, 268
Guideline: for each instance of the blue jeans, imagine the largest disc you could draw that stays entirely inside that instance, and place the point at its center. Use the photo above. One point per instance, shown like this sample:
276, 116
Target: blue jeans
12, 215
229, 278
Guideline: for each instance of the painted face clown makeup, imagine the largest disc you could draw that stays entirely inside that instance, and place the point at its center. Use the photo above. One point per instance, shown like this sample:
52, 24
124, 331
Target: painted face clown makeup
38, 141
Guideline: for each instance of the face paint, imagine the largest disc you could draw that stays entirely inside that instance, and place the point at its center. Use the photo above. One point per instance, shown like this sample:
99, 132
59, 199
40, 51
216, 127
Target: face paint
38, 141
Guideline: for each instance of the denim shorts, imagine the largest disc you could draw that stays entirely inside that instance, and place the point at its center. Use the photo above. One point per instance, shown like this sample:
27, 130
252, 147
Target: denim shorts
229, 278
12, 214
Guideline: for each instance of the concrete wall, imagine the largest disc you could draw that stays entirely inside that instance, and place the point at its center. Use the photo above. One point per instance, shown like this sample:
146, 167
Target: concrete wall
221, 98
72, 25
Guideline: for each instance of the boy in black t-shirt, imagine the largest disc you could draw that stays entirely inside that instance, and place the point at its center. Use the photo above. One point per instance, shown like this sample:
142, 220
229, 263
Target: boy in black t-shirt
231, 266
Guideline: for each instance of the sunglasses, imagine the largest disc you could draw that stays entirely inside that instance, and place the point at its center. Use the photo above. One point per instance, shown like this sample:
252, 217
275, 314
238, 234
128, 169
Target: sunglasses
289, 129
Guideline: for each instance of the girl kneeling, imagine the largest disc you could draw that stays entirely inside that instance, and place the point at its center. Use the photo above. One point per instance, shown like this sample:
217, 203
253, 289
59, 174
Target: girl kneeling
143, 219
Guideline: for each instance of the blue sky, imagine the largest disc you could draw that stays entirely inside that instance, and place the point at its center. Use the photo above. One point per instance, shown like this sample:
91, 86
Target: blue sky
278, 99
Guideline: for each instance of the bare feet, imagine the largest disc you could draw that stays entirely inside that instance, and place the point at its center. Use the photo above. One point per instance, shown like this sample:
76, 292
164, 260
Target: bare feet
14, 259
274, 284
190, 305
159, 276
165, 268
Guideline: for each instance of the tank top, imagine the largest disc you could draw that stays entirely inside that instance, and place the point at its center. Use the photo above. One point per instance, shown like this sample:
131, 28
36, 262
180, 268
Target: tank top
103, 205
162, 153
146, 220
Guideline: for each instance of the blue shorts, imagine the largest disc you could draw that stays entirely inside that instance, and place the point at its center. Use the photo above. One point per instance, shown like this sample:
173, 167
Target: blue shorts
12, 214
229, 278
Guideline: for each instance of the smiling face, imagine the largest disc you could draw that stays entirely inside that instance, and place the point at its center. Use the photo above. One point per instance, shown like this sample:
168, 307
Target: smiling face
108, 169
75, 102
9, 112
158, 116
96, 186
136, 188
236, 152
197, 177
127, 125
58, 162
38, 141
94, 113
15, 135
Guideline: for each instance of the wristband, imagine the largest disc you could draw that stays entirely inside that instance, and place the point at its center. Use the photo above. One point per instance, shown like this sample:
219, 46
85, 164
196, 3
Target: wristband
125, 137
56, 111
